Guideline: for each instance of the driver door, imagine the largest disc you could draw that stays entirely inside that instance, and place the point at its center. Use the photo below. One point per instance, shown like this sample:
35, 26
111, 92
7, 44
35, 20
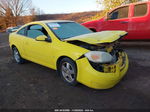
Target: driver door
38, 51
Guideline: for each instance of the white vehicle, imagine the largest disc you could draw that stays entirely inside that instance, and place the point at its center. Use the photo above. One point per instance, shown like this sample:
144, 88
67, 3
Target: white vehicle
12, 29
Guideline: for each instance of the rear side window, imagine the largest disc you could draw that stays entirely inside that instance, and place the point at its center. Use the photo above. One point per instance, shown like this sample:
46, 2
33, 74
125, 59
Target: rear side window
119, 13
22, 31
140, 10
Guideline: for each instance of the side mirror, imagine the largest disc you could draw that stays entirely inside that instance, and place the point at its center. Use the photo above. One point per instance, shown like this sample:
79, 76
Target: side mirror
41, 38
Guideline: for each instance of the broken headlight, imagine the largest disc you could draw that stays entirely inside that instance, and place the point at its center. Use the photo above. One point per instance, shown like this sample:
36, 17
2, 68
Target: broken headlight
99, 56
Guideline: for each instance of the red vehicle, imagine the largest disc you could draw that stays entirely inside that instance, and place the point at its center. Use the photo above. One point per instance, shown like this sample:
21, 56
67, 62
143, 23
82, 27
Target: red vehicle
133, 18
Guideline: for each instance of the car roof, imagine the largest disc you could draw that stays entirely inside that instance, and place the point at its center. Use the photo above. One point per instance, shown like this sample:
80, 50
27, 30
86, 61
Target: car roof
49, 21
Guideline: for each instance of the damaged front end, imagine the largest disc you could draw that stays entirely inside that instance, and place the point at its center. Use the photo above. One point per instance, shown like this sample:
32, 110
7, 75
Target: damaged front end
107, 64
104, 53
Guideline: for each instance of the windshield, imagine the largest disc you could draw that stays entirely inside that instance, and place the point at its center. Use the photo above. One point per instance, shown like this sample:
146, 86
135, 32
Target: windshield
64, 30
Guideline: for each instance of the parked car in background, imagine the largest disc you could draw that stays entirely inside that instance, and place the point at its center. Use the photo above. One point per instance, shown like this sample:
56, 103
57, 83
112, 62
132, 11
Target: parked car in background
133, 18
78, 54
12, 29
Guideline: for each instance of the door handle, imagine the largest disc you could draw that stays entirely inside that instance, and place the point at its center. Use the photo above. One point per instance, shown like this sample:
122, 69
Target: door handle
124, 22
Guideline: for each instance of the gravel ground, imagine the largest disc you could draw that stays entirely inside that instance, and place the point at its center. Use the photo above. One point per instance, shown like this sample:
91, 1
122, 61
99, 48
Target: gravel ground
32, 86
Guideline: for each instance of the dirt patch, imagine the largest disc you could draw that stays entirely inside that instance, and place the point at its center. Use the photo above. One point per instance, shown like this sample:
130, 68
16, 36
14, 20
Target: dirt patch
31, 86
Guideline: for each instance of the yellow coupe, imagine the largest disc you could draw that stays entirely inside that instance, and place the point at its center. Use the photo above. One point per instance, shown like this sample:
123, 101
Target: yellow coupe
78, 54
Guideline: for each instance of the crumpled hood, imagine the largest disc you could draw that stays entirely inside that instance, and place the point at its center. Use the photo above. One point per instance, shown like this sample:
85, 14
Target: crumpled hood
99, 37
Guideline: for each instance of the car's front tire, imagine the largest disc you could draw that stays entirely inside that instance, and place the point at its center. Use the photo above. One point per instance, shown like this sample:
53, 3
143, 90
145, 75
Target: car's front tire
68, 71
17, 57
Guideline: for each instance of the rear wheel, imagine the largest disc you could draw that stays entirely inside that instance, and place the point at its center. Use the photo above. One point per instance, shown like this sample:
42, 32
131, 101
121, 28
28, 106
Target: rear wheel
68, 71
17, 56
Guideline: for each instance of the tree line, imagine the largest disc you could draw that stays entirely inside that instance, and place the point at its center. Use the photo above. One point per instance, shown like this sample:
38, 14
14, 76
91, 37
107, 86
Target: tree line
18, 12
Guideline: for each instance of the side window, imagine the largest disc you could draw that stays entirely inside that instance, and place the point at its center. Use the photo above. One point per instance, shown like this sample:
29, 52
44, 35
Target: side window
35, 31
119, 13
22, 31
140, 10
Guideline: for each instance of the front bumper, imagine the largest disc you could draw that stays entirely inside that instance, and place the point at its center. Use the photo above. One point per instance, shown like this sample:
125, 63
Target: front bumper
90, 77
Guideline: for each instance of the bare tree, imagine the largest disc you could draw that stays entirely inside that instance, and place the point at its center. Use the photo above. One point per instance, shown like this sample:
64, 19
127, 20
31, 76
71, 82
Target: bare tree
39, 11
11, 10
18, 7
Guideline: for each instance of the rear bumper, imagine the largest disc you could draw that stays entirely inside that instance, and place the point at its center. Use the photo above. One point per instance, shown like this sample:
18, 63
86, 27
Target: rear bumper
90, 77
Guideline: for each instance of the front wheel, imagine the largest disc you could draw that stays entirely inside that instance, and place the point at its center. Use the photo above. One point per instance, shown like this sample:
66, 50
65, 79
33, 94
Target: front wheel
68, 71
17, 56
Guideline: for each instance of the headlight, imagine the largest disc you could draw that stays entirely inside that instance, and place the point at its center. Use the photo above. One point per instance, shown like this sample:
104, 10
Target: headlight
99, 56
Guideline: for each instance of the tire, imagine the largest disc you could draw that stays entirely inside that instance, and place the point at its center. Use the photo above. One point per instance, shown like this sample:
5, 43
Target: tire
68, 71
17, 57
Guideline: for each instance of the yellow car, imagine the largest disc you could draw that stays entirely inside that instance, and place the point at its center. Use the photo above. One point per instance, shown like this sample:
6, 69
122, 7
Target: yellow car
78, 54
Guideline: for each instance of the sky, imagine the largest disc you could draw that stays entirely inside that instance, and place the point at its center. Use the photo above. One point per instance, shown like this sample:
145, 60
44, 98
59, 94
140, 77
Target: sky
66, 6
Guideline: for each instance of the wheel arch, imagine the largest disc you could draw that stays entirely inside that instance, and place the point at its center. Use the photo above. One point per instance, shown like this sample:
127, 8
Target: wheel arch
19, 49
12, 46
62, 57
